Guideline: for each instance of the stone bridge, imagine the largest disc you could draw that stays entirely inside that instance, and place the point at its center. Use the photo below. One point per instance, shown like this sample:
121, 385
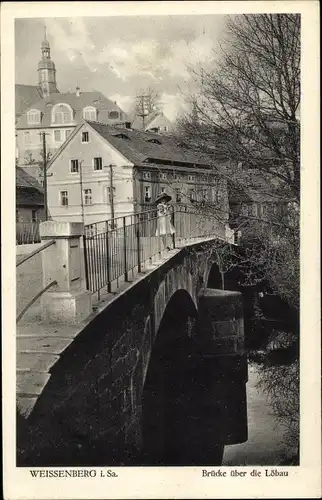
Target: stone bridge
155, 375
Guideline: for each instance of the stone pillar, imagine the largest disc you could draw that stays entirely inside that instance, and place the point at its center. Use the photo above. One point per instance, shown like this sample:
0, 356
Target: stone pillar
221, 337
67, 302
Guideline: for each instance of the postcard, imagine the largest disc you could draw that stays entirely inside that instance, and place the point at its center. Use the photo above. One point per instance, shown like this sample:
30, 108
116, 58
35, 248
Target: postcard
160, 250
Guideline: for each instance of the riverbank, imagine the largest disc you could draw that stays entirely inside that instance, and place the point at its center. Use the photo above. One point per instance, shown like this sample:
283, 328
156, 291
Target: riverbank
266, 444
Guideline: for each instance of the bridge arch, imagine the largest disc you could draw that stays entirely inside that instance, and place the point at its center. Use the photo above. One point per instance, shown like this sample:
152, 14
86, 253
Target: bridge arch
214, 278
167, 376
172, 405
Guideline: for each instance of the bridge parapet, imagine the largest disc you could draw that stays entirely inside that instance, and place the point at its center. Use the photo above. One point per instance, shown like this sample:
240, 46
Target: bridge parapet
68, 302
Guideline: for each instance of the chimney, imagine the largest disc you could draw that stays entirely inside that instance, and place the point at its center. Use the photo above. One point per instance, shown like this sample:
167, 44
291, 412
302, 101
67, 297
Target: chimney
78, 91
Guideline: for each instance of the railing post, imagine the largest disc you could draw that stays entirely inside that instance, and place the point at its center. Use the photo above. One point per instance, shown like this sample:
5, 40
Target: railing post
108, 274
86, 263
174, 234
67, 302
126, 278
138, 243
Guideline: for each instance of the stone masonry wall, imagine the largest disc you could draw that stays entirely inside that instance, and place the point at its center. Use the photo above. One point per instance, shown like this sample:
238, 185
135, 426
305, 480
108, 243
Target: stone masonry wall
90, 410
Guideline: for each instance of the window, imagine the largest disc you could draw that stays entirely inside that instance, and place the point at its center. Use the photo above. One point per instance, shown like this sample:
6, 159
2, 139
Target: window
34, 216
62, 113
64, 198
67, 133
256, 210
154, 141
147, 194
33, 116
85, 137
113, 115
27, 137
165, 129
191, 194
74, 167
163, 190
146, 175
178, 195
264, 209
191, 178
163, 176
122, 136
98, 164
89, 113
87, 196
58, 136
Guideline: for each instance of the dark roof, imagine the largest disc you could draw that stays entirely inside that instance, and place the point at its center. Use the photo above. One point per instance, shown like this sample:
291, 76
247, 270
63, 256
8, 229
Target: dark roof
77, 103
137, 146
28, 191
24, 180
24, 96
29, 198
253, 186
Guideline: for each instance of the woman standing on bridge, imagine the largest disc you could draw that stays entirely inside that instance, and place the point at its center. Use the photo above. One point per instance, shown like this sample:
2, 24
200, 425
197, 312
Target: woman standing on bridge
164, 226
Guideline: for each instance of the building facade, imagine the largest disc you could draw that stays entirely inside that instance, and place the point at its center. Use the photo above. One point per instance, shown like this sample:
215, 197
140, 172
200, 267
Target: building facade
56, 115
154, 122
103, 172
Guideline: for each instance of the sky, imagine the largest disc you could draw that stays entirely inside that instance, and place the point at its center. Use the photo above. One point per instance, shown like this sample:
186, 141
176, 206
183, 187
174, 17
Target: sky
121, 56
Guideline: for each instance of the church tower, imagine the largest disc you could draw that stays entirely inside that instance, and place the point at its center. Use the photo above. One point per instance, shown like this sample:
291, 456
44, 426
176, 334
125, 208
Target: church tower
46, 71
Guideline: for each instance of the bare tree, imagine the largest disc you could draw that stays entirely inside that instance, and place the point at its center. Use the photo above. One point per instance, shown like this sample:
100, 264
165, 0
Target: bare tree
247, 109
245, 118
146, 102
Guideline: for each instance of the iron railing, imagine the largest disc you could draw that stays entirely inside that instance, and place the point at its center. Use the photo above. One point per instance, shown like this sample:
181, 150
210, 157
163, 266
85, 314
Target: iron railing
116, 250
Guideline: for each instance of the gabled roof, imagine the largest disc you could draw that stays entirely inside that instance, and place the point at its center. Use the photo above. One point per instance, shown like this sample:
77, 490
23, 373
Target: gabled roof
24, 180
138, 148
155, 116
149, 119
77, 103
28, 191
24, 96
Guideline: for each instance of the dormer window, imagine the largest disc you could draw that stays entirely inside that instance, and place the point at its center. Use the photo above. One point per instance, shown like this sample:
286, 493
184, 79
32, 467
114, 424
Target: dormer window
33, 117
155, 141
114, 115
90, 113
62, 113
122, 136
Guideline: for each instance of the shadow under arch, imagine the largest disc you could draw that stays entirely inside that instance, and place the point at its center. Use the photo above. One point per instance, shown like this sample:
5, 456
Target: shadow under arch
214, 278
174, 392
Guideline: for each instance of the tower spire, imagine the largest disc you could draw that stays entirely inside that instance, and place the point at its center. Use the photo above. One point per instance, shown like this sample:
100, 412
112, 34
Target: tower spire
46, 69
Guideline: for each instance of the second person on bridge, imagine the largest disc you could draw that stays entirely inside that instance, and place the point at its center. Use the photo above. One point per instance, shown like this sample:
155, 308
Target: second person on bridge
164, 225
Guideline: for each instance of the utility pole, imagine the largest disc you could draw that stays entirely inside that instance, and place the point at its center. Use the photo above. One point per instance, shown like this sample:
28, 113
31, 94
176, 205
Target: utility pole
45, 174
112, 195
81, 191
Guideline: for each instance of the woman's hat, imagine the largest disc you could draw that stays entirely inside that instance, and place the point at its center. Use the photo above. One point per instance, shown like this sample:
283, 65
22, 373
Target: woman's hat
162, 197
